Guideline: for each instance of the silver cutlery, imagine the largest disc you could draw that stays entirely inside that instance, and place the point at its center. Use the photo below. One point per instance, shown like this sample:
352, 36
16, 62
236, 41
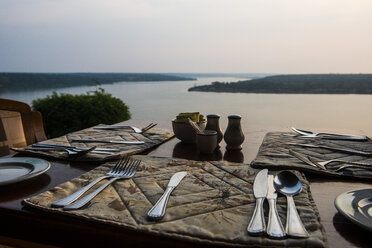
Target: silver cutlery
127, 172
309, 134
46, 145
115, 171
288, 184
327, 162
257, 223
323, 166
274, 225
345, 150
326, 165
108, 141
72, 153
158, 210
135, 129
305, 159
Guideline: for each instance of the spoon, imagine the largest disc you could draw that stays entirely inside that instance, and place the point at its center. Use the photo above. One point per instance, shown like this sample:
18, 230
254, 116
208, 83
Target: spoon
288, 184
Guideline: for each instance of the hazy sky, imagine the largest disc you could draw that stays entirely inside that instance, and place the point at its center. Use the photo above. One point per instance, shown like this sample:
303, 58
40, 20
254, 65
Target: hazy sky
247, 36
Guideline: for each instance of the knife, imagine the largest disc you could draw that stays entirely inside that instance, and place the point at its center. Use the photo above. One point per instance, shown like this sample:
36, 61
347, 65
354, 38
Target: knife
304, 159
158, 210
346, 150
257, 224
108, 141
91, 150
46, 145
274, 225
343, 137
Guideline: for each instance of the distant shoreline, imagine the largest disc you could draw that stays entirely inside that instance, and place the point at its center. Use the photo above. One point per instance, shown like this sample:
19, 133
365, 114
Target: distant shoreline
21, 81
296, 84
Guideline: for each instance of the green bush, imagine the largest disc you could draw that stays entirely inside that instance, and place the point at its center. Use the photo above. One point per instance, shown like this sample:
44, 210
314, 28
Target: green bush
67, 113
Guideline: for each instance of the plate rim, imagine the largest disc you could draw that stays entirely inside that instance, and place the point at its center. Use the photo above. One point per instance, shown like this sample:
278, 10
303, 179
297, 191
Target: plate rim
348, 216
40, 166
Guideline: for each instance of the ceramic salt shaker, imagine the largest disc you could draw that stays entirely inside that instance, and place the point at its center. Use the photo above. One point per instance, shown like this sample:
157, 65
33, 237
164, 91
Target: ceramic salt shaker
214, 125
234, 135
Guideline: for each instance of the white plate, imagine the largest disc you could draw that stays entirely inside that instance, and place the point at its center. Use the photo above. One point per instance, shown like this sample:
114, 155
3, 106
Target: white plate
18, 169
356, 206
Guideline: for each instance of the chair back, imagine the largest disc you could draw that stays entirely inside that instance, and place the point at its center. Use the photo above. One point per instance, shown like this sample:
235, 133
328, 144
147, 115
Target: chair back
20, 126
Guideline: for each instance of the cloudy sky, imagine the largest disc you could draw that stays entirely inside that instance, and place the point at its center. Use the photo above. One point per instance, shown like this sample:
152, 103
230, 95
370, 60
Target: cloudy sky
231, 36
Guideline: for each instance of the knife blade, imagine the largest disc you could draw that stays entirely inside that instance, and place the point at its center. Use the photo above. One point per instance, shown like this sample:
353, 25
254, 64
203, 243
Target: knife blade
158, 210
274, 225
345, 150
47, 145
108, 141
304, 159
257, 223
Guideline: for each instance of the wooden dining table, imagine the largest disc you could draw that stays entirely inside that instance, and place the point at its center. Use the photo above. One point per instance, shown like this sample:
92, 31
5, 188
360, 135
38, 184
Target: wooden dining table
23, 226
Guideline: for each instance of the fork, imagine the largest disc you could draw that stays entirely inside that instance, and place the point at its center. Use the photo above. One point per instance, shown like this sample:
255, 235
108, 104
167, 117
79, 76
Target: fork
73, 152
116, 170
324, 164
309, 134
135, 129
127, 172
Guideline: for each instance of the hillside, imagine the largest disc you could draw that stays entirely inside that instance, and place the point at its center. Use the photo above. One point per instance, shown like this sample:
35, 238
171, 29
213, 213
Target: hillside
14, 81
305, 84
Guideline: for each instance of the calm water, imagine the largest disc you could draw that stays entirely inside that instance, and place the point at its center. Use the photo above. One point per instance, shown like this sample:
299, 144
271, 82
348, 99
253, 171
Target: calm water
163, 100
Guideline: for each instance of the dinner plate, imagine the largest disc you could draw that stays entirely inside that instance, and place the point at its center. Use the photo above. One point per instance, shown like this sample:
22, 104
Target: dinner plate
356, 206
18, 169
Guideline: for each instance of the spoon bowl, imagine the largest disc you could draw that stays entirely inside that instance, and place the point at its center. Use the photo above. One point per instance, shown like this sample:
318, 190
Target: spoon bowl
288, 184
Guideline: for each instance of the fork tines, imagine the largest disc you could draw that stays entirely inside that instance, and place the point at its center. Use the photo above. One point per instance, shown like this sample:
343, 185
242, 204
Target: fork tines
119, 165
126, 166
131, 169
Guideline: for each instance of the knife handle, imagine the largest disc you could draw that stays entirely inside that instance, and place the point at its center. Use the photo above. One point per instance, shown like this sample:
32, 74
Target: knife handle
274, 225
68, 199
344, 137
257, 224
158, 210
294, 225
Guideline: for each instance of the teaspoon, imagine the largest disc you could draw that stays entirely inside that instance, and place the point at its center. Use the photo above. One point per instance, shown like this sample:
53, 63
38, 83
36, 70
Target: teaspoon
288, 184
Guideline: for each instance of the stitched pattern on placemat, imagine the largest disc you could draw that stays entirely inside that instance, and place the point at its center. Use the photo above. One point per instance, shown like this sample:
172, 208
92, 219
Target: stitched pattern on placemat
152, 137
274, 154
213, 204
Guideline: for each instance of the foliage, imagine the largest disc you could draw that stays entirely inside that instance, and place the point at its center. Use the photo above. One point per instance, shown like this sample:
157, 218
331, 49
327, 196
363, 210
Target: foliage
66, 113
13, 81
305, 83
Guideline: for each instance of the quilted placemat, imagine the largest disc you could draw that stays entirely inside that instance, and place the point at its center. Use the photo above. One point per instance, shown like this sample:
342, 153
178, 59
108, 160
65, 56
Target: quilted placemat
212, 205
151, 138
274, 153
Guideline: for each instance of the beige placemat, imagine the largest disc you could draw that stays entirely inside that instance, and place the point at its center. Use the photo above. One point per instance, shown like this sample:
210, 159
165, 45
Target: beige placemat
274, 154
212, 205
152, 138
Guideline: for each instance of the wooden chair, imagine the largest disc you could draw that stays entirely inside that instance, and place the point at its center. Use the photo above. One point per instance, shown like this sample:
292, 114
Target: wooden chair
28, 121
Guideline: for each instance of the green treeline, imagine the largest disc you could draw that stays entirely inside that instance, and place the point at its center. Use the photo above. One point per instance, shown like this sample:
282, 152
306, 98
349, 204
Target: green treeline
305, 84
14, 81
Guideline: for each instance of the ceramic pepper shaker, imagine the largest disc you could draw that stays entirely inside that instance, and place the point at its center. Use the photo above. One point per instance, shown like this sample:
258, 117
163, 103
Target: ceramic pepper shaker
214, 125
234, 135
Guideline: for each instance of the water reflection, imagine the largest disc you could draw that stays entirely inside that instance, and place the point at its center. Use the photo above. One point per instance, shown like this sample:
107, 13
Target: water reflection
322, 112
236, 156
190, 151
